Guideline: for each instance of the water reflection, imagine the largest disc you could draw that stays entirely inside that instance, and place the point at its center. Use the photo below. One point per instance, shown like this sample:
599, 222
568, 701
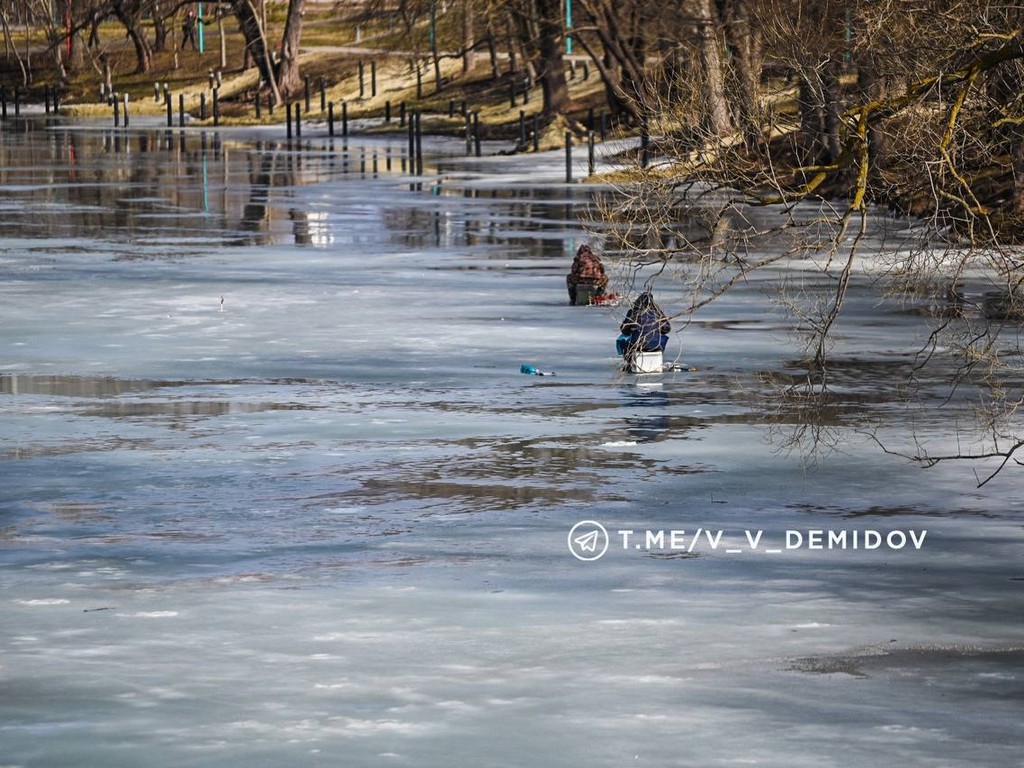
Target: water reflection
653, 425
161, 190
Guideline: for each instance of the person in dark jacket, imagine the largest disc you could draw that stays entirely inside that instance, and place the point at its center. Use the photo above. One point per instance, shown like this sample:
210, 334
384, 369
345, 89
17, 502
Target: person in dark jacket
188, 30
644, 329
587, 269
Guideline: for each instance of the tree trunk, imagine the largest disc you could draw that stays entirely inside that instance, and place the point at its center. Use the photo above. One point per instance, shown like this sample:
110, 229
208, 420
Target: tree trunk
492, 50
289, 80
620, 61
745, 51
130, 15
76, 12
159, 29
468, 38
256, 43
832, 107
551, 66
718, 120
1017, 205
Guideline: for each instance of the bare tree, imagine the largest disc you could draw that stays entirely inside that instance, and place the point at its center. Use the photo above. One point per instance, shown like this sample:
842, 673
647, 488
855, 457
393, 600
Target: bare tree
864, 103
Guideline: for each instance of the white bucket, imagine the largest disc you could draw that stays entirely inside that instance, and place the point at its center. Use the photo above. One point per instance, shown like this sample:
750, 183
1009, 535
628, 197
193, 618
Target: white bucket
647, 362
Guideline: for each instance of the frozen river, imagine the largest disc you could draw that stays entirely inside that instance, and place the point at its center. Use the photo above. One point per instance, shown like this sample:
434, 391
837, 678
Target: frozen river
274, 492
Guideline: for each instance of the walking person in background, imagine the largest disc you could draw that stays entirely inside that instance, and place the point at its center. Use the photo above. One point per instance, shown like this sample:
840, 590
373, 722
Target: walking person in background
188, 30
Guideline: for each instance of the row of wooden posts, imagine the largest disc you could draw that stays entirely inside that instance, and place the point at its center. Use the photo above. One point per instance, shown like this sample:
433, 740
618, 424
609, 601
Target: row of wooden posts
51, 96
293, 120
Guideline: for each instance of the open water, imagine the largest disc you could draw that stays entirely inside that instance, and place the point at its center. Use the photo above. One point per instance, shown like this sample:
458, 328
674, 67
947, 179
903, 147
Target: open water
274, 492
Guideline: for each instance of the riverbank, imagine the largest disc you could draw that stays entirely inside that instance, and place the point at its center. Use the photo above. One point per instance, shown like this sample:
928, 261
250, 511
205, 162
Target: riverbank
358, 75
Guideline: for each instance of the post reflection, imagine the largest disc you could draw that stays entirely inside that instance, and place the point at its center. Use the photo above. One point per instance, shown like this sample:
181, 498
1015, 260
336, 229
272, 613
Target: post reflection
201, 189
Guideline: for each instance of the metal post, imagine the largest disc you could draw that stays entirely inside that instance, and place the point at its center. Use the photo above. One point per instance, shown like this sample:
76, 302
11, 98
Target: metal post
412, 142
373, 78
476, 133
199, 26
591, 165
288, 119
169, 107
344, 118
568, 158
419, 144
330, 119
181, 110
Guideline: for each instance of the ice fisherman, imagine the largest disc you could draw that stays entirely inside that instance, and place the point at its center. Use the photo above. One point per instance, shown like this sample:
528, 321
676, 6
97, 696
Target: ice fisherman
644, 329
587, 269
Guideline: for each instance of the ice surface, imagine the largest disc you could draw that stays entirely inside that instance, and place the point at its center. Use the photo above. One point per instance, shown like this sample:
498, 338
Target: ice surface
324, 522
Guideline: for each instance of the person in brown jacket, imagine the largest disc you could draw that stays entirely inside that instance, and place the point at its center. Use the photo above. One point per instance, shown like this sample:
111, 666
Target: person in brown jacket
587, 269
